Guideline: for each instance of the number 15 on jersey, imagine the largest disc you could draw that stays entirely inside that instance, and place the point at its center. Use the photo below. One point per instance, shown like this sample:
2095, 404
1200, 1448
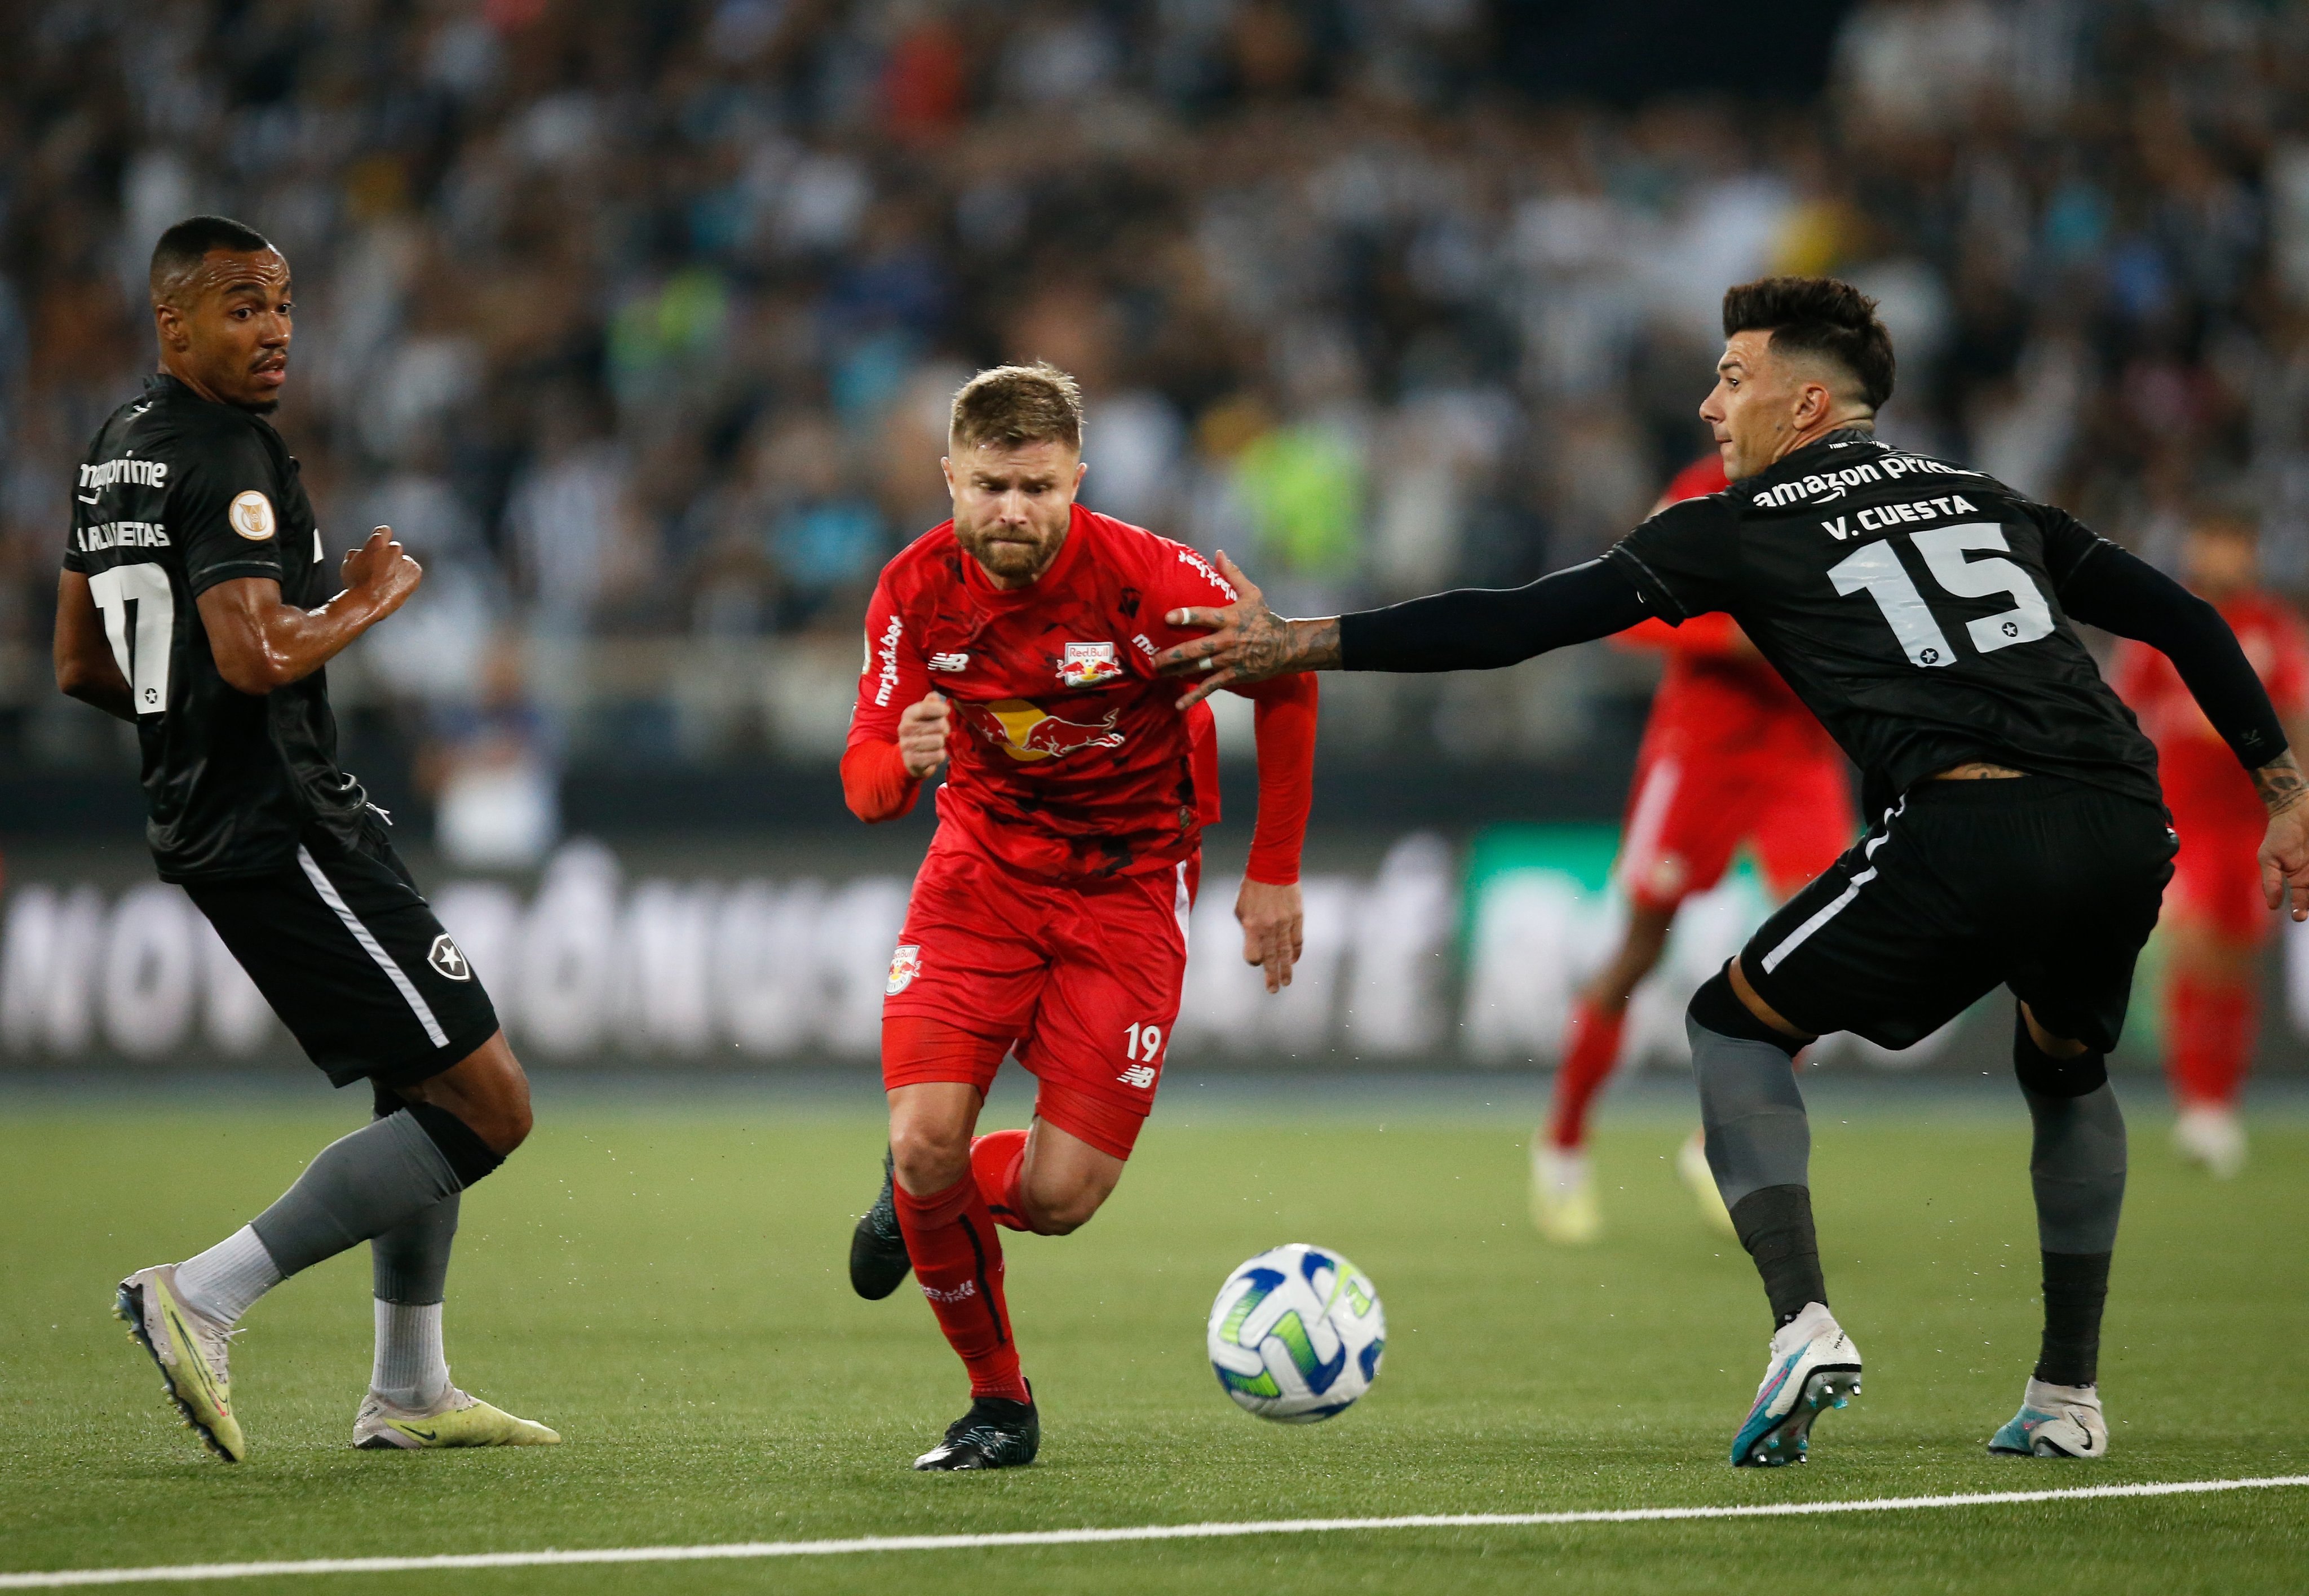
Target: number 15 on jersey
1875, 569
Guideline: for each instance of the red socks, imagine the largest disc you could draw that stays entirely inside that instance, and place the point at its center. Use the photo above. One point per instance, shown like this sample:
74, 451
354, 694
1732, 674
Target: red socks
957, 1257
1591, 1045
2209, 1035
995, 1160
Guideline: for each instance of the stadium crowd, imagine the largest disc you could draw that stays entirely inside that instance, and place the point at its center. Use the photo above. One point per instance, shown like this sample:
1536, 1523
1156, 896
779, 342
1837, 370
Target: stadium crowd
638, 322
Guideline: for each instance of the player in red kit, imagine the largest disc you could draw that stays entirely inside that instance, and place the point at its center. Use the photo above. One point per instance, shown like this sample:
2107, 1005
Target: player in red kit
2214, 922
1015, 645
1730, 755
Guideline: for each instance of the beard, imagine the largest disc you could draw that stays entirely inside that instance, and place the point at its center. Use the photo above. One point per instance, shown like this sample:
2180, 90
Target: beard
1013, 559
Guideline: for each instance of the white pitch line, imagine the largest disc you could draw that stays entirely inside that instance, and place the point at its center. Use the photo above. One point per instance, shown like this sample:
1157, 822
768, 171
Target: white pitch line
61, 1579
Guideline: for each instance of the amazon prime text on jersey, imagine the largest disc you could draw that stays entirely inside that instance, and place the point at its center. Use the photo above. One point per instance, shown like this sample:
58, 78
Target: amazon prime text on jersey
144, 473
1828, 485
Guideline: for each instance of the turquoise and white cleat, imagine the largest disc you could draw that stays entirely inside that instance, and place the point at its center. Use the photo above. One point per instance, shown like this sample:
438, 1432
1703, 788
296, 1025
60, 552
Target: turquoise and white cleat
2054, 1422
1815, 1366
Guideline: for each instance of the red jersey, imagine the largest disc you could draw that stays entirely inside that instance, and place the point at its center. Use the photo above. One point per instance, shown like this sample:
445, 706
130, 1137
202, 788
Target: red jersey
1067, 758
1723, 700
2199, 774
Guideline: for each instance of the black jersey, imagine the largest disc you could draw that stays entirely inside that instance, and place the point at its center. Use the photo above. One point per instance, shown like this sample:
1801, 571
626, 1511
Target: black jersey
177, 495
1913, 605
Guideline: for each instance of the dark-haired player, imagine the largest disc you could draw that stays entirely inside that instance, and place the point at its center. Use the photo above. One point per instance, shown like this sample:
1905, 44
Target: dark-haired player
1015, 644
194, 603
1924, 613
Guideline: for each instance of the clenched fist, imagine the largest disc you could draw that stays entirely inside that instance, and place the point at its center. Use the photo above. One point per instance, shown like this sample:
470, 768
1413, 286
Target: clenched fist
382, 569
921, 735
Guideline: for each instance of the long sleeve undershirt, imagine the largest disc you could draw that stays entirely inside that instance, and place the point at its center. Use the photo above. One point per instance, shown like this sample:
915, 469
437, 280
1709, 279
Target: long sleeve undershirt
2119, 593
1483, 629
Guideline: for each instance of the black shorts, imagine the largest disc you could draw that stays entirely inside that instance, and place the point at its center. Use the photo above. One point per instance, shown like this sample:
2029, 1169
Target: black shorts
350, 956
2046, 885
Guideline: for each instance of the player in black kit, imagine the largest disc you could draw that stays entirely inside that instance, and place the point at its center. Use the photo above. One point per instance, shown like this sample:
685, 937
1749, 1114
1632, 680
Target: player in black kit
1924, 613
195, 602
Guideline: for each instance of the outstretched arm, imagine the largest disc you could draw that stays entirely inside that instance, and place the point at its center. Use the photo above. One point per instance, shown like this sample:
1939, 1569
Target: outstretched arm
1470, 629
2112, 589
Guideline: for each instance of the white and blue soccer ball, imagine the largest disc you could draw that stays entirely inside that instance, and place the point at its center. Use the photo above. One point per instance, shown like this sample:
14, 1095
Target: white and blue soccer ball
1296, 1334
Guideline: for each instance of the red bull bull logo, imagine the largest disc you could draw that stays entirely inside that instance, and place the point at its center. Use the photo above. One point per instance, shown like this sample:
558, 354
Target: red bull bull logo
1087, 664
1027, 732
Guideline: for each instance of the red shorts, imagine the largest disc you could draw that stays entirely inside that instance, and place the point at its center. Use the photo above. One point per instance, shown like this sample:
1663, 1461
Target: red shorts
1082, 979
2217, 876
1688, 813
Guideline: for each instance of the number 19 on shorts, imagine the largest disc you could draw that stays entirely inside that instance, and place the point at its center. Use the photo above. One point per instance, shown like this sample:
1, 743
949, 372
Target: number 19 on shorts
1143, 1046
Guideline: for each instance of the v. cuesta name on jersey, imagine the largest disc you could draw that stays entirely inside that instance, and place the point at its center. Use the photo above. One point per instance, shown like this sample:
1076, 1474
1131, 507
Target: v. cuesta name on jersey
1879, 518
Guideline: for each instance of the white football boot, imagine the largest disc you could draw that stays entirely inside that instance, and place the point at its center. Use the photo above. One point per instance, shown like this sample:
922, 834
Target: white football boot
457, 1419
2054, 1422
191, 1351
1564, 1207
1815, 1366
2210, 1135
1691, 1167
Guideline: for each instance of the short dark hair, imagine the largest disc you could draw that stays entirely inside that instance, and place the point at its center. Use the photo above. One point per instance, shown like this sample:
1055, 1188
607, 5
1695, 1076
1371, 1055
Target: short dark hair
1817, 315
1012, 405
186, 245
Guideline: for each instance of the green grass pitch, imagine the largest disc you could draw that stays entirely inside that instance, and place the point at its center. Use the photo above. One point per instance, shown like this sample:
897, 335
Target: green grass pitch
666, 1284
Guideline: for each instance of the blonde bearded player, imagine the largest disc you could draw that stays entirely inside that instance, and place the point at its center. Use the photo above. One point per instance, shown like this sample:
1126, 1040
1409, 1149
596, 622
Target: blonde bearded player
1015, 645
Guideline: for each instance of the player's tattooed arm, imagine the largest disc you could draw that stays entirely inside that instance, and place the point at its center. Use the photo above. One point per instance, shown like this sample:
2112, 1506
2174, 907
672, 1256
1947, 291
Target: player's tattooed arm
1247, 642
2285, 846
2280, 783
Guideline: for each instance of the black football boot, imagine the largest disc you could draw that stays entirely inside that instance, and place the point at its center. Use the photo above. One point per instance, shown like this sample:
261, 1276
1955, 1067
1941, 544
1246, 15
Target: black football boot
877, 1248
995, 1434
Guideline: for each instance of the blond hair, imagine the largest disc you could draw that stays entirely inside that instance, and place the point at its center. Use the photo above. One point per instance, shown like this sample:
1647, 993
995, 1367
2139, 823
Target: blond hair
1010, 405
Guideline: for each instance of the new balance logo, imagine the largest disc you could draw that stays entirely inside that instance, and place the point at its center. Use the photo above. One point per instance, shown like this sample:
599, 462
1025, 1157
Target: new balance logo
950, 661
1141, 1075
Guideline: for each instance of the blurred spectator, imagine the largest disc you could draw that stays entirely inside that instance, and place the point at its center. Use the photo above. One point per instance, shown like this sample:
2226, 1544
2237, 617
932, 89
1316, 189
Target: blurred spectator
490, 769
640, 320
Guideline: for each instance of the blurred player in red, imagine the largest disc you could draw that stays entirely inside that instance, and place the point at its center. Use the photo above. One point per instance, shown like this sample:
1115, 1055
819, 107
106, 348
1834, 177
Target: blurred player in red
2214, 922
1017, 642
1730, 756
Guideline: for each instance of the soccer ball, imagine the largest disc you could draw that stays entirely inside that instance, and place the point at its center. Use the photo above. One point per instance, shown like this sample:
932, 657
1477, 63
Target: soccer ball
1296, 1334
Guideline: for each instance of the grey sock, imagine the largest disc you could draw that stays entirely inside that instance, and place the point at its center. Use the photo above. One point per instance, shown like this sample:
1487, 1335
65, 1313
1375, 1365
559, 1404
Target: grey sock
411, 1261
381, 1176
2077, 1167
1750, 1112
